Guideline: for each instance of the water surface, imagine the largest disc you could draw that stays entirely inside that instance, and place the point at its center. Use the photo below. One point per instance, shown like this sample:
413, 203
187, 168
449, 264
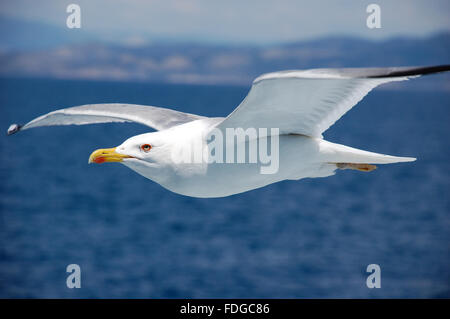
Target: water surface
296, 239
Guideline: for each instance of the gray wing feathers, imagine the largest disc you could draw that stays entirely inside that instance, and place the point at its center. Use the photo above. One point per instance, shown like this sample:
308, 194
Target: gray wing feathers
154, 117
308, 102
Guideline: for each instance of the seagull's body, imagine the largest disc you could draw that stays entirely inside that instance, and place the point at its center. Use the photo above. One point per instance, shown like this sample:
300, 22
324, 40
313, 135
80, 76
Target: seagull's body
299, 157
301, 105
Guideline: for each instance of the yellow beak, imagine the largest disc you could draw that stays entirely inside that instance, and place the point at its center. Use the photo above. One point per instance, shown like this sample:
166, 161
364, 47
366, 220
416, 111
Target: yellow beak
106, 155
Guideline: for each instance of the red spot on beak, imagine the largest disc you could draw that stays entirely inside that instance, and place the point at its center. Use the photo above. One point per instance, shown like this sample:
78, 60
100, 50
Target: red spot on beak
99, 160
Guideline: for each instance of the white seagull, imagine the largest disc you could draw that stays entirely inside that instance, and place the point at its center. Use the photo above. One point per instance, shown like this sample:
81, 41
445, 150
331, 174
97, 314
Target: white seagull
295, 107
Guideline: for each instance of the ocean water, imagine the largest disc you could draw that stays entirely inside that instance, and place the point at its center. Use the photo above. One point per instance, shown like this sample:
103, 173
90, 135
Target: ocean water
311, 238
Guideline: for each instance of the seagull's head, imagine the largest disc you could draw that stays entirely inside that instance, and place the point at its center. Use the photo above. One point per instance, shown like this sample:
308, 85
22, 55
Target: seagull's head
147, 154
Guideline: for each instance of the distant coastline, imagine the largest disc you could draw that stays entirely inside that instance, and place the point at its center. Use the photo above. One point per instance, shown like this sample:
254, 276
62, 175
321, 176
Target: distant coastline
211, 64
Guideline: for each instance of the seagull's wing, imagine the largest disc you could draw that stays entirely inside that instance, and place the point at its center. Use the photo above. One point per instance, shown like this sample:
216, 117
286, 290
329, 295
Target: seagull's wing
308, 102
154, 117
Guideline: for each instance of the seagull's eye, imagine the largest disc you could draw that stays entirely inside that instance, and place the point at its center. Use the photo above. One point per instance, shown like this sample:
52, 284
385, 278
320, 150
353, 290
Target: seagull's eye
146, 147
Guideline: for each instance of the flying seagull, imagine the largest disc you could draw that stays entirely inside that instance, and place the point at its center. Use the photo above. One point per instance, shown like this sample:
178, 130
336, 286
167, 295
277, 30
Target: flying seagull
288, 111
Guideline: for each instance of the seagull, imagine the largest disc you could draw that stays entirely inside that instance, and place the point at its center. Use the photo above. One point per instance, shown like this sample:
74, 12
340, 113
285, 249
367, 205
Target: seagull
288, 110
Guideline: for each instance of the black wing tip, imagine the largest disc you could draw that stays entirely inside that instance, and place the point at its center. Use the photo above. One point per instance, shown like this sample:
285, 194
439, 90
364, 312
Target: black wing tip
13, 128
412, 71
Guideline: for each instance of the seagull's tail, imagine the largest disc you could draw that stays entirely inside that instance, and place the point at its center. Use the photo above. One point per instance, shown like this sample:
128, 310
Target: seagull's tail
336, 153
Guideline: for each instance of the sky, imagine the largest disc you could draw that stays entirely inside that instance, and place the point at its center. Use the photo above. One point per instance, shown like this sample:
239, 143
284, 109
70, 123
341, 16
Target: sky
252, 22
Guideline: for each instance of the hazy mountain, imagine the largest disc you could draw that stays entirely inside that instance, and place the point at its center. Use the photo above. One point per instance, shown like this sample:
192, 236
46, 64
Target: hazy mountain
17, 34
221, 64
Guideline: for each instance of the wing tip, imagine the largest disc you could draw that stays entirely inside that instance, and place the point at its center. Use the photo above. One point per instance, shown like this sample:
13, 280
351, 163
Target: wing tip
356, 73
412, 71
13, 128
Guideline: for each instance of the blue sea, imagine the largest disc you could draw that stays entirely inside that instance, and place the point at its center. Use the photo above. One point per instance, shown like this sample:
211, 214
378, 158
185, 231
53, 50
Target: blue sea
312, 238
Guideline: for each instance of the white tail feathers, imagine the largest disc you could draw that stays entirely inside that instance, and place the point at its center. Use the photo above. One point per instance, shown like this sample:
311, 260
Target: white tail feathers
336, 153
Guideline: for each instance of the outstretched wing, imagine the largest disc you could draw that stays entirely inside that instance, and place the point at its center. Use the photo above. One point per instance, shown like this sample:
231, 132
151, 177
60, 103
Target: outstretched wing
154, 117
308, 102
